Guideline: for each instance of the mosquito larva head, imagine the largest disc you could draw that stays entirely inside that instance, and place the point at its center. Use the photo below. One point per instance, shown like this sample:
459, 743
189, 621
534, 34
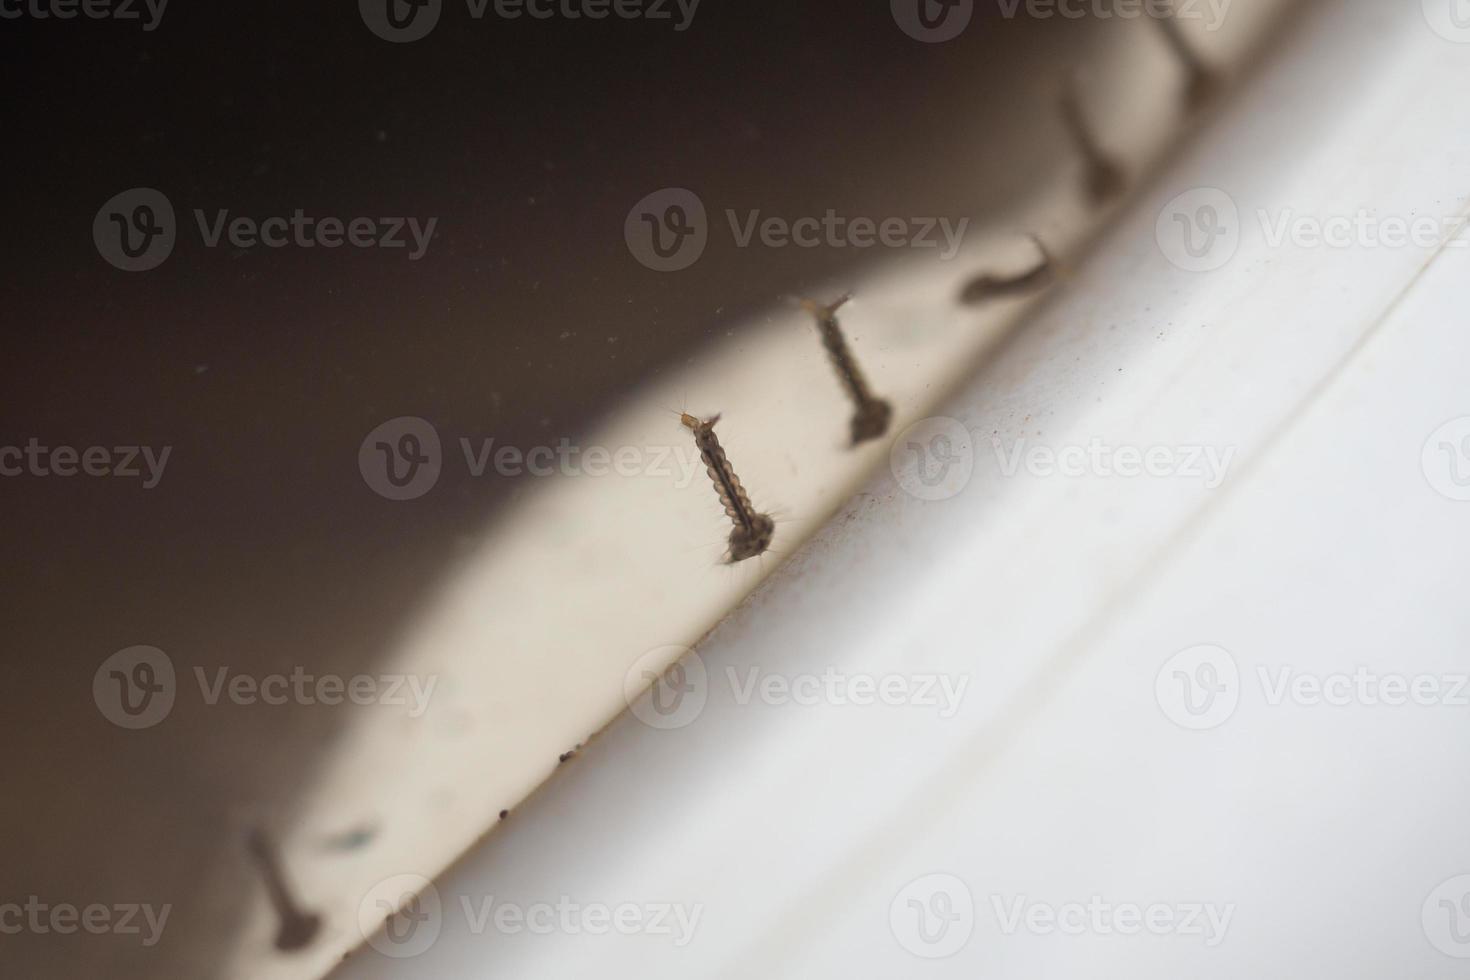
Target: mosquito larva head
826, 312
696, 425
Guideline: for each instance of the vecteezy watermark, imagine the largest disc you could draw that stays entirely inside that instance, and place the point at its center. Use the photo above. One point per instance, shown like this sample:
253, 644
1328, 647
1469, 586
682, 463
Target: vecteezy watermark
65, 918
940, 692
1450, 19
1361, 229
403, 916
136, 230
402, 459
402, 21
1207, 464
676, 921
933, 916
302, 688
126, 462
1201, 230
1211, 13
932, 21
1445, 917
1446, 459
137, 688
149, 13
1200, 688
668, 687
1362, 686
669, 229
937, 21
1206, 921
833, 230
933, 459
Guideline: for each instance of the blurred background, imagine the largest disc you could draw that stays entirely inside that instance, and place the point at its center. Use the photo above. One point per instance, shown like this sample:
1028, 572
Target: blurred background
263, 545
261, 548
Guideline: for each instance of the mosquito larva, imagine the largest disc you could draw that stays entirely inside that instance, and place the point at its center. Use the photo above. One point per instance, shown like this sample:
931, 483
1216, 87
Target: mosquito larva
989, 286
1202, 81
753, 531
298, 928
1105, 177
871, 414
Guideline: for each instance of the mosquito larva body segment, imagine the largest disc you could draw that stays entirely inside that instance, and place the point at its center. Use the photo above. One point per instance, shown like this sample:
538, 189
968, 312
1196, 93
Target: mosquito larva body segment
1105, 176
1202, 81
752, 531
990, 286
871, 414
296, 927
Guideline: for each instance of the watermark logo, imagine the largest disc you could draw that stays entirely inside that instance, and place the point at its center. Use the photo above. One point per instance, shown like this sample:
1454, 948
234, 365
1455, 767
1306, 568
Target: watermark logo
400, 21
1206, 464
1362, 229
677, 463
135, 688
933, 916
149, 12
1450, 19
41, 918
1362, 687
1201, 687
937, 21
1100, 917
127, 462
933, 459
1199, 231
941, 692
401, 916
676, 921
838, 231
667, 695
135, 231
1211, 12
1198, 688
650, 10
1446, 459
668, 230
411, 691
932, 21
675, 697
1446, 917
303, 230
401, 459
